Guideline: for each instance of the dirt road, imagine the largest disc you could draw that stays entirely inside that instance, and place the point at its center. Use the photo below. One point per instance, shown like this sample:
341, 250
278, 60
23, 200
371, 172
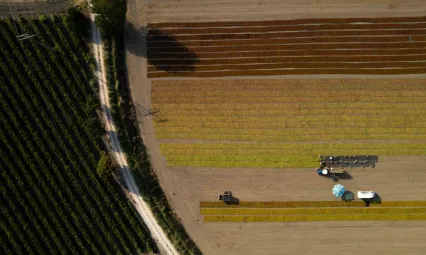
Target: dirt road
163, 243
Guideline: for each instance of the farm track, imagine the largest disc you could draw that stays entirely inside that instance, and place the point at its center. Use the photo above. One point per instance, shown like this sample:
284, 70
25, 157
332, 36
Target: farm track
382, 46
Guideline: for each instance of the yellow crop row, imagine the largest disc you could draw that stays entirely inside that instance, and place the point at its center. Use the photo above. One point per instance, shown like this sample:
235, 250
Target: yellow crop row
307, 99
290, 124
239, 164
310, 118
297, 204
252, 158
294, 218
293, 152
319, 137
301, 146
183, 105
292, 132
289, 112
311, 211
291, 85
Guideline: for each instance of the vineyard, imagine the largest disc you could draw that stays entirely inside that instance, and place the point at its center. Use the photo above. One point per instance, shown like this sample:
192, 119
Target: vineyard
376, 46
312, 211
265, 123
53, 201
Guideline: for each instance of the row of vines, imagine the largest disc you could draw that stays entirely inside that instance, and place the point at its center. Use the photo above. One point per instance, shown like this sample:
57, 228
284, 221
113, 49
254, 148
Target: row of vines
54, 202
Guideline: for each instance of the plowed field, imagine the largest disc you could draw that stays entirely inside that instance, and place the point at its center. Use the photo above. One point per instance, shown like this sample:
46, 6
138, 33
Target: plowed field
374, 46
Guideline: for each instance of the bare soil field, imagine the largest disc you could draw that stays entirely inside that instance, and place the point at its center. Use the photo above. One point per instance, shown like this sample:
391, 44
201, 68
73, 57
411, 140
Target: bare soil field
32, 7
394, 178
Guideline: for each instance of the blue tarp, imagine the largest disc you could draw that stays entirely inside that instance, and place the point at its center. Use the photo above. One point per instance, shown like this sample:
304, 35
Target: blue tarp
338, 190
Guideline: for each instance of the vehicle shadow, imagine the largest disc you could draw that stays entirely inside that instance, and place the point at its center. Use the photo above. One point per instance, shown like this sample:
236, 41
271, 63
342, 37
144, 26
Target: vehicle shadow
163, 51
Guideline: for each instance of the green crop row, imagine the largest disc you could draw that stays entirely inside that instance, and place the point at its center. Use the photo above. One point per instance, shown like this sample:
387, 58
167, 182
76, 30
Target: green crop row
310, 211
294, 218
239, 164
297, 204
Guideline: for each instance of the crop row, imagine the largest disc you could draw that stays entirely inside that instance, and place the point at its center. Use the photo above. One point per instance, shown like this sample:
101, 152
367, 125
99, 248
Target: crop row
292, 132
325, 33
289, 72
316, 27
294, 218
298, 204
289, 85
294, 138
290, 146
200, 56
310, 211
283, 61
403, 38
355, 45
254, 66
286, 22
289, 99
251, 158
183, 94
239, 164
305, 118
285, 153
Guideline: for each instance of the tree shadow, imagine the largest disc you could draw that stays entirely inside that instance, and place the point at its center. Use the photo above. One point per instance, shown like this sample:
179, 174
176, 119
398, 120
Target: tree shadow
163, 51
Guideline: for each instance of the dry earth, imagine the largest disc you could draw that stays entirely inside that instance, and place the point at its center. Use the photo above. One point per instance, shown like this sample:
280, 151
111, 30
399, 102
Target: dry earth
31, 7
396, 178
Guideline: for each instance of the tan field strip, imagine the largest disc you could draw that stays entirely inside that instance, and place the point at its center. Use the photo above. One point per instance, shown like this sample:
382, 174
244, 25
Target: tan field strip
299, 204
311, 211
294, 218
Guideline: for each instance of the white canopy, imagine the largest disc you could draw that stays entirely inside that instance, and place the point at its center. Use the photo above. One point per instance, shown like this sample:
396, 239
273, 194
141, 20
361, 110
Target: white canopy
366, 194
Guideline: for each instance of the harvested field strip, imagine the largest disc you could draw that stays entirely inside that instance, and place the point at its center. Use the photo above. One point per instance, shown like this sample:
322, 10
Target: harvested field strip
297, 65
297, 204
285, 93
242, 164
329, 33
310, 211
292, 106
341, 118
290, 99
289, 72
405, 38
293, 84
256, 29
289, 112
313, 46
291, 124
289, 60
287, 22
293, 152
294, 218
293, 138
157, 55
291, 132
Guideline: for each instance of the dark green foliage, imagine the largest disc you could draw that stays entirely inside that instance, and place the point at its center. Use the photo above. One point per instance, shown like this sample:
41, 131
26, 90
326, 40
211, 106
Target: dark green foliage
111, 15
105, 166
52, 200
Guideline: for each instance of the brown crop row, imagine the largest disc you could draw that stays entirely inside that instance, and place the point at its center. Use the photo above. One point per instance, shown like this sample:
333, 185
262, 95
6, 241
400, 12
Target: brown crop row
287, 22
288, 85
299, 59
289, 72
162, 44
257, 29
384, 45
301, 65
315, 52
330, 33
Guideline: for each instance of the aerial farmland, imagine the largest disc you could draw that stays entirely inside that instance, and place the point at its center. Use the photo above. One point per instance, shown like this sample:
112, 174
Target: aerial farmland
246, 95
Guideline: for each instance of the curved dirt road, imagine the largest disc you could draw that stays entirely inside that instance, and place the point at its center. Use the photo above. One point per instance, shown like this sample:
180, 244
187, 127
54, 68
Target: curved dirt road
163, 243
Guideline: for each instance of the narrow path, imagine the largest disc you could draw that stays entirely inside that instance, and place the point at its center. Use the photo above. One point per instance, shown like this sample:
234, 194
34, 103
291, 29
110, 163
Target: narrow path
163, 243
